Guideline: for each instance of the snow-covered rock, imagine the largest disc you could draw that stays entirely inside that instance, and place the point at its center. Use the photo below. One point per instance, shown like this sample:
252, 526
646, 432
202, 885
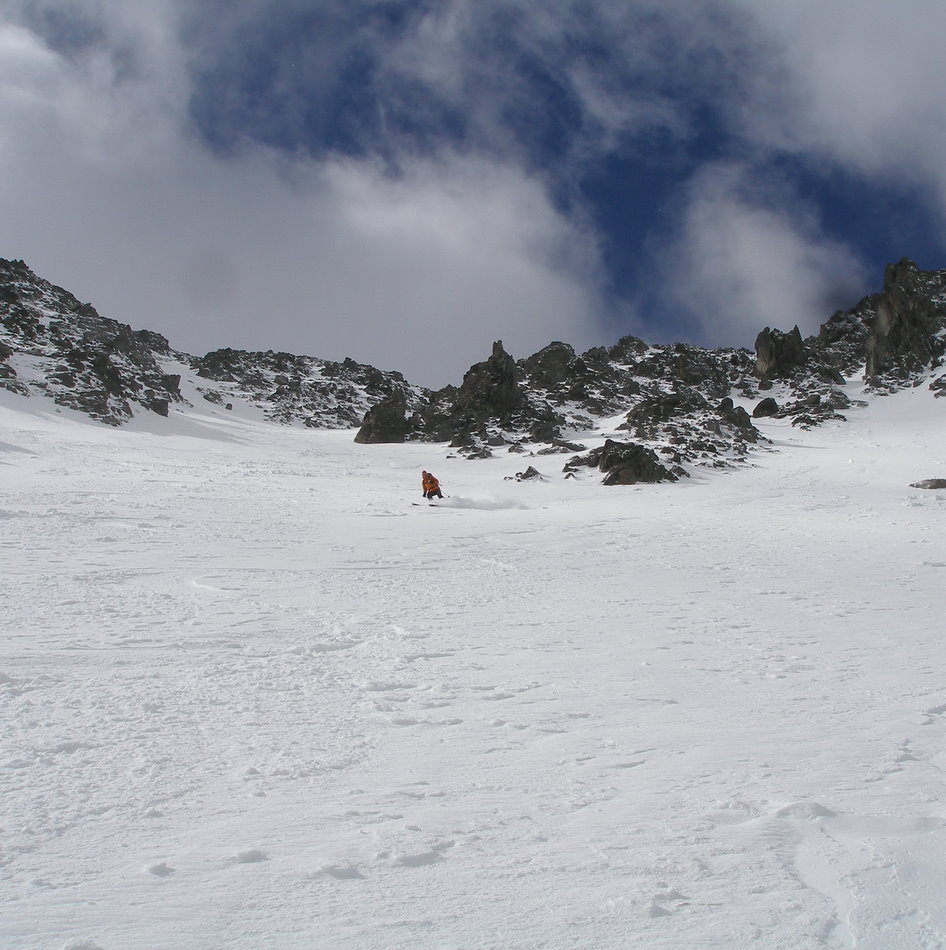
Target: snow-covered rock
688, 406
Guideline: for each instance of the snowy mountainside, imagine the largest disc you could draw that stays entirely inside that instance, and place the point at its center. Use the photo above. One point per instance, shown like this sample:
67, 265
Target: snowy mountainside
298, 389
688, 405
892, 340
53, 345
241, 708
666, 410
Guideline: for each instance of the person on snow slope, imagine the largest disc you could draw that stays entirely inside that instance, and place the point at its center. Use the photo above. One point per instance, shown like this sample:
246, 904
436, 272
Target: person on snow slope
430, 485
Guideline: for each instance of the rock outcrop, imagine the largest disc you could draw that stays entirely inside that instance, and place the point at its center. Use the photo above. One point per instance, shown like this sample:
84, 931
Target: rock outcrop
777, 353
905, 336
317, 393
681, 406
51, 344
931, 484
386, 421
626, 463
891, 339
65, 349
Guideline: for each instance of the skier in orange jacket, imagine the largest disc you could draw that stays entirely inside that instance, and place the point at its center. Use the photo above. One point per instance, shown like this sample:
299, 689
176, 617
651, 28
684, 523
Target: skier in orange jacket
430, 485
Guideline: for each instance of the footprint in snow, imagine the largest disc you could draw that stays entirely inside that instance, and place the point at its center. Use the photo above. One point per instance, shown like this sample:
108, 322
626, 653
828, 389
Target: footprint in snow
670, 896
342, 872
933, 714
807, 811
384, 686
253, 856
418, 860
734, 812
424, 858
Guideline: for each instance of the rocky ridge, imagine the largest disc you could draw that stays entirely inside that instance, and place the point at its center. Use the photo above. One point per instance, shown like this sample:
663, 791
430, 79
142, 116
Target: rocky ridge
665, 409
53, 345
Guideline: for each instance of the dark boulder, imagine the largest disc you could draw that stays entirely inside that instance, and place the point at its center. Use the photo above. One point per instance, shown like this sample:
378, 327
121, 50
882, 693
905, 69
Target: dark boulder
777, 353
477, 452
626, 463
529, 474
665, 406
932, 483
386, 421
767, 407
738, 417
156, 404
562, 447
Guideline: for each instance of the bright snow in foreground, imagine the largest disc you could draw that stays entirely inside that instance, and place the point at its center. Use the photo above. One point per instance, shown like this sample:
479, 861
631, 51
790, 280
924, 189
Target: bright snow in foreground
252, 697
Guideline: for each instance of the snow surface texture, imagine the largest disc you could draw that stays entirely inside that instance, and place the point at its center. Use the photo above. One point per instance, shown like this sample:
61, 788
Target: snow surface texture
252, 696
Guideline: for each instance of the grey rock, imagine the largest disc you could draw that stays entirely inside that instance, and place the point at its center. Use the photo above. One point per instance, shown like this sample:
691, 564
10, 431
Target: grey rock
529, 474
931, 483
386, 421
777, 353
626, 463
903, 335
677, 400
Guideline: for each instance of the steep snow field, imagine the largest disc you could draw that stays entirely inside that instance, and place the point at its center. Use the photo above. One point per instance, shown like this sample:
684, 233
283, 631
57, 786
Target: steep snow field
251, 696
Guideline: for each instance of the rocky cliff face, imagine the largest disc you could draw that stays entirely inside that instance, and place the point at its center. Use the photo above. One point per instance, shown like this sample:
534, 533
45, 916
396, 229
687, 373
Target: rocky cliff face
53, 345
890, 340
906, 335
671, 396
667, 408
677, 400
317, 393
778, 354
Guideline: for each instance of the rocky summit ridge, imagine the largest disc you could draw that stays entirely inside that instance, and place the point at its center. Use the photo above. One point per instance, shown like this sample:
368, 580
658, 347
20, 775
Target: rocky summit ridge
666, 408
53, 345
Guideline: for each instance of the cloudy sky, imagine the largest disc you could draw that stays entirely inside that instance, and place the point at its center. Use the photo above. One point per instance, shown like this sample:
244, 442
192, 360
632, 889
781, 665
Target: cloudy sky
405, 181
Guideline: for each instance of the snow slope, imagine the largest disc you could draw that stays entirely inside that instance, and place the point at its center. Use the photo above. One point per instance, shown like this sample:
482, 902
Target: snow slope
251, 696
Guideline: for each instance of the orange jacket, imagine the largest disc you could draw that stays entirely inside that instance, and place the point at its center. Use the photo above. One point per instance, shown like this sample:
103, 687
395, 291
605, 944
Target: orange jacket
429, 482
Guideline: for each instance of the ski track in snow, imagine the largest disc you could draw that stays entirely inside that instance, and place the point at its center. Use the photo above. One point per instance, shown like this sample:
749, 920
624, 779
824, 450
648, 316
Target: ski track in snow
250, 696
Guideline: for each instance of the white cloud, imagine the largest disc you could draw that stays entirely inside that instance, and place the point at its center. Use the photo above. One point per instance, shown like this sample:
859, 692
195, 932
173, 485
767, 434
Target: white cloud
26, 66
751, 255
107, 186
855, 84
116, 200
622, 70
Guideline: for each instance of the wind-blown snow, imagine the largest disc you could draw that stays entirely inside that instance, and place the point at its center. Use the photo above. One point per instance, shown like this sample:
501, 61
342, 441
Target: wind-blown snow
252, 695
